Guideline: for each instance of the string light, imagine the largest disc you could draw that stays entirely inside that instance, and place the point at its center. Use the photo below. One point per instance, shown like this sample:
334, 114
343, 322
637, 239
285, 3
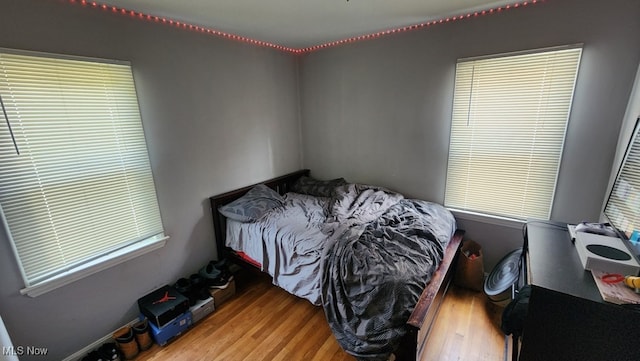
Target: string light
213, 32
451, 19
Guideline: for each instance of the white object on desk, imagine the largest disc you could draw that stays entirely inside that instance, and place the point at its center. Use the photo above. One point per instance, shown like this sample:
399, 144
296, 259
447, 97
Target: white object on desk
589, 247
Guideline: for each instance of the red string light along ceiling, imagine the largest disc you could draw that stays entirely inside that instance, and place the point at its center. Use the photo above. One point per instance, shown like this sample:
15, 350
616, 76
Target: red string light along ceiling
209, 31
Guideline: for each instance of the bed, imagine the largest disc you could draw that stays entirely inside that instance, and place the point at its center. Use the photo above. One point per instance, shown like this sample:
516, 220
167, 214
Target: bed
355, 246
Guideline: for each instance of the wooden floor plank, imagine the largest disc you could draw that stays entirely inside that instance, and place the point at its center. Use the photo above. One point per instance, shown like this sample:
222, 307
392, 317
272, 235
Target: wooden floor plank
264, 322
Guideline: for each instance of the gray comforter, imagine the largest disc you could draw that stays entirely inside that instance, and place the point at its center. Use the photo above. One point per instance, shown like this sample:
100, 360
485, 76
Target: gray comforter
364, 254
375, 271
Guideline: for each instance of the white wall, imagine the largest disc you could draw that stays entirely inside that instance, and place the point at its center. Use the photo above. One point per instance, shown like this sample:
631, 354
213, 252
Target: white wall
379, 111
217, 114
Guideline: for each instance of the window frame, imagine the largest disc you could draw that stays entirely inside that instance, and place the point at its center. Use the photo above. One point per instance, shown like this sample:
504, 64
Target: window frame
106, 258
510, 220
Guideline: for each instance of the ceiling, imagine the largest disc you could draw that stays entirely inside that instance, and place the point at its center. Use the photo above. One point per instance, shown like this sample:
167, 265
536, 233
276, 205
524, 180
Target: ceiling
298, 24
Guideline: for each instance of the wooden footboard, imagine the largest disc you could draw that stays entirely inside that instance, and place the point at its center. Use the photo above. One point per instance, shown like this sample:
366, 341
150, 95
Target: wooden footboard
424, 314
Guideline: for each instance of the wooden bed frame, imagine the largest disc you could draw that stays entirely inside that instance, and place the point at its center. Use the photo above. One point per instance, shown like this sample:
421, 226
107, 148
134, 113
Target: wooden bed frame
425, 311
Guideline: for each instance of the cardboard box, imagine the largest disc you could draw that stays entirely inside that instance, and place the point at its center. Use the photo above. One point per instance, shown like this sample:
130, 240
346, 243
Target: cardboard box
163, 305
221, 295
171, 330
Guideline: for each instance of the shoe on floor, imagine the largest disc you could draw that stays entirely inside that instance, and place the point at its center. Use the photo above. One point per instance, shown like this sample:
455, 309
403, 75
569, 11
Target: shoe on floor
109, 352
220, 283
223, 266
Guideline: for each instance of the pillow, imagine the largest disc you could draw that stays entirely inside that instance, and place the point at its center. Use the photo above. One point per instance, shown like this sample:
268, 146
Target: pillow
317, 188
253, 205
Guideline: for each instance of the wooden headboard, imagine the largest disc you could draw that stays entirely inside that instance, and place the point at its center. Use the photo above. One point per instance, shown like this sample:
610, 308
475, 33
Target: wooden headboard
280, 184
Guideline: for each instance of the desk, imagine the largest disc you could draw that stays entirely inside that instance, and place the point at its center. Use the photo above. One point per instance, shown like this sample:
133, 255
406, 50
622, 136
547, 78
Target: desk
567, 318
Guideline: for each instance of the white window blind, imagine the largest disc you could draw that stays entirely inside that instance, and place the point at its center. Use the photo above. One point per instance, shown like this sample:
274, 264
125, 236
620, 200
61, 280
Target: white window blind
81, 186
508, 125
623, 205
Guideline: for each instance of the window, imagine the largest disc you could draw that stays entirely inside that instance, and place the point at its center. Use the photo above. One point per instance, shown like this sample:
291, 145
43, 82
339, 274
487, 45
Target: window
623, 205
76, 187
509, 119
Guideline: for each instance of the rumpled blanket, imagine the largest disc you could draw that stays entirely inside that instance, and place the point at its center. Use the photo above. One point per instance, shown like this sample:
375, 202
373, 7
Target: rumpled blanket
358, 203
374, 272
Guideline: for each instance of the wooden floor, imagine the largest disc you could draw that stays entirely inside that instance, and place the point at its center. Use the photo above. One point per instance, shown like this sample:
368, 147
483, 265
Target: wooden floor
467, 329
263, 322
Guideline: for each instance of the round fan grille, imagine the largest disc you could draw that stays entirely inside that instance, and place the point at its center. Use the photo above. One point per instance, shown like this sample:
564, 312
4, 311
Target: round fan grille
503, 276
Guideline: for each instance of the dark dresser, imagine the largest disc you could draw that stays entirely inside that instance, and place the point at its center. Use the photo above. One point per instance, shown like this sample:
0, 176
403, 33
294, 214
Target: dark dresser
567, 318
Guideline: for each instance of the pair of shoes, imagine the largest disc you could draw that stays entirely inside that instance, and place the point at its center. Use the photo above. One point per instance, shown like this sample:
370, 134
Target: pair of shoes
106, 352
199, 287
132, 340
93, 356
217, 274
184, 287
143, 335
194, 288
126, 341
223, 266
109, 352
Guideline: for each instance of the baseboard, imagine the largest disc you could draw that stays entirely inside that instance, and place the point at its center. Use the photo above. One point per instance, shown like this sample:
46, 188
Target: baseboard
78, 355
